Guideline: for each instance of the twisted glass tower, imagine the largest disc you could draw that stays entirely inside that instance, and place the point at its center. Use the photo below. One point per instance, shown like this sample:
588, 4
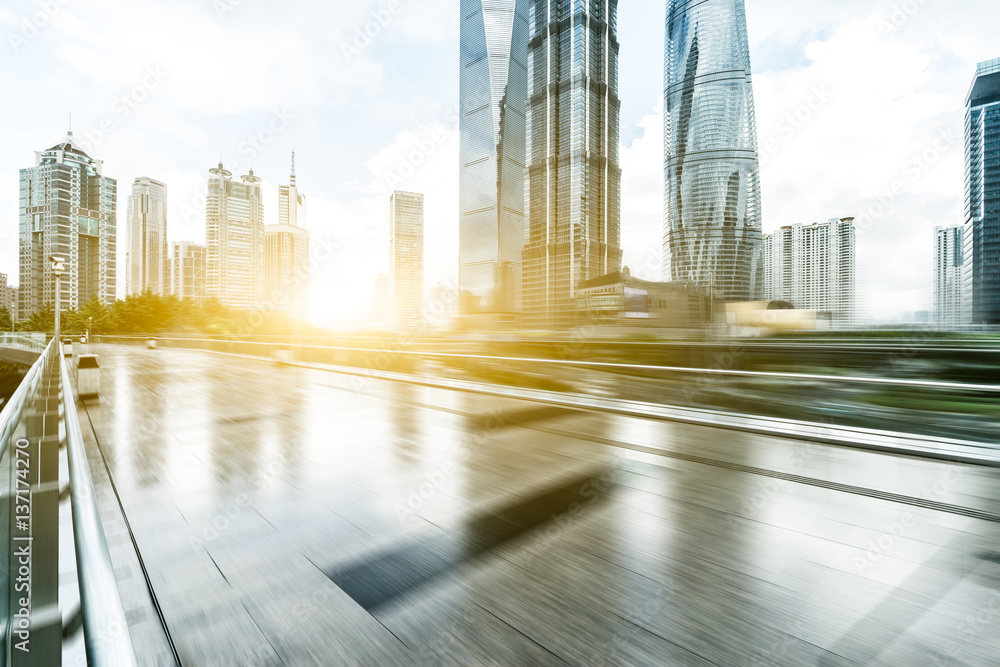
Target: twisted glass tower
712, 227
573, 174
493, 84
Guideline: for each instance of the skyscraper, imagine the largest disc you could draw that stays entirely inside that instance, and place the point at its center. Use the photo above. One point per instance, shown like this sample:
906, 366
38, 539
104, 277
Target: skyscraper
234, 216
573, 177
67, 208
981, 272
712, 225
286, 253
187, 275
406, 259
949, 262
147, 261
493, 85
813, 267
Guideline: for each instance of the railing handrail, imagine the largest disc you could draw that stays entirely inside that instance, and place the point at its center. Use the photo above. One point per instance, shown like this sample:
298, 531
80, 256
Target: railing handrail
848, 379
106, 634
10, 417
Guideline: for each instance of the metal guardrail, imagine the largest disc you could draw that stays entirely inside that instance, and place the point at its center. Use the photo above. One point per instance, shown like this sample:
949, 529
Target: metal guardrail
14, 408
106, 634
799, 377
31, 342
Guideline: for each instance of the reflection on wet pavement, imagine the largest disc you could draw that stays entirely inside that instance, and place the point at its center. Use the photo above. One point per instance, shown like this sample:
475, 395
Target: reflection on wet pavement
283, 517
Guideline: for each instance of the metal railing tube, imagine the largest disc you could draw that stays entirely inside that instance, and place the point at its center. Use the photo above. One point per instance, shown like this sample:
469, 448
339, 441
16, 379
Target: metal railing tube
106, 632
12, 410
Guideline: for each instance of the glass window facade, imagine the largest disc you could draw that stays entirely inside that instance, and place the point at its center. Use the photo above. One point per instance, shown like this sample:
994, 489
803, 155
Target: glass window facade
712, 219
406, 259
147, 262
67, 208
981, 271
573, 177
234, 215
493, 86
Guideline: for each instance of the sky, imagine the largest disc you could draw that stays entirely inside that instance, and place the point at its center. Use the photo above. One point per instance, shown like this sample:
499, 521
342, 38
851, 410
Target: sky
860, 110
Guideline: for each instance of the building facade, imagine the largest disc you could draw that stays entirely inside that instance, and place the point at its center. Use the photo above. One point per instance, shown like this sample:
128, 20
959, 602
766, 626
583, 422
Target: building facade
573, 177
619, 299
187, 273
981, 272
67, 209
406, 259
286, 253
147, 263
949, 263
813, 268
234, 213
8, 296
493, 89
712, 217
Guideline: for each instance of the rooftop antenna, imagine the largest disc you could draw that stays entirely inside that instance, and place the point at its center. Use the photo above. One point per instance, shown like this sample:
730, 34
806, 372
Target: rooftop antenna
292, 180
70, 131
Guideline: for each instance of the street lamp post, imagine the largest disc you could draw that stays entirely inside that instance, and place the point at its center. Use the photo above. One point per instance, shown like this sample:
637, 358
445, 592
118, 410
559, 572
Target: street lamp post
13, 305
90, 324
57, 271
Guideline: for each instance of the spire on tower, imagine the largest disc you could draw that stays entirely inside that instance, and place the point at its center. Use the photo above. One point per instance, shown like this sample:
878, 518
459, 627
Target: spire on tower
292, 181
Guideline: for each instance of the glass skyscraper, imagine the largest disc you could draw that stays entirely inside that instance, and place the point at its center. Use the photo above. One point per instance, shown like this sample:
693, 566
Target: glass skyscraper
493, 85
573, 176
234, 219
406, 259
981, 272
146, 262
67, 208
712, 226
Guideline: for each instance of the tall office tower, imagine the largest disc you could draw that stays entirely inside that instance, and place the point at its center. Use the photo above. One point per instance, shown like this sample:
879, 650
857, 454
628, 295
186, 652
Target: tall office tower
711, 221
286, 253
573, 178
493, 86
187, 274
813, 267
67, 209
949, 262
406, 259
981, 272
234, 216
147, 264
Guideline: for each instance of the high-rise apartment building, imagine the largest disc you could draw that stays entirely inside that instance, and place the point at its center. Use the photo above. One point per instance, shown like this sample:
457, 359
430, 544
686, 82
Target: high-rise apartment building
949, 263
406, 259
493, 87
712, 218
187, 273
573, 177
67, 209
286, 253
234, 215
981, 272
147, 264
813, 267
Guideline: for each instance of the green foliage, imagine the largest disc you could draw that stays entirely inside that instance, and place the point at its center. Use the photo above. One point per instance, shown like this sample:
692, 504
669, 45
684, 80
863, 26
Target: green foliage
4, 319
152, 314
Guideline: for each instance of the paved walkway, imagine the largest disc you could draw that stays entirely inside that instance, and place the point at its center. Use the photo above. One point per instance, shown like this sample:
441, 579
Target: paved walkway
291, 516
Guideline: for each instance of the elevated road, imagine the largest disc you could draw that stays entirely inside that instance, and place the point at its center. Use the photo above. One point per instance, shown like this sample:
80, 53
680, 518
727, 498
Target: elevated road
267, 514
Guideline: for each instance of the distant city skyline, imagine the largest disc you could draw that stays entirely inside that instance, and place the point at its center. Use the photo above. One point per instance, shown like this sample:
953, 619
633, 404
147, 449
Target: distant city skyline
165, 115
